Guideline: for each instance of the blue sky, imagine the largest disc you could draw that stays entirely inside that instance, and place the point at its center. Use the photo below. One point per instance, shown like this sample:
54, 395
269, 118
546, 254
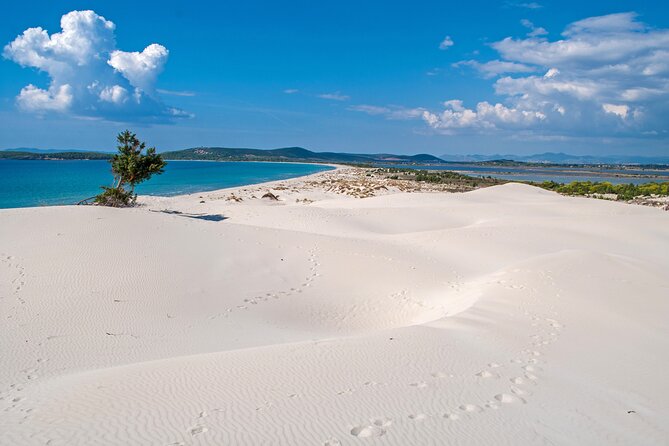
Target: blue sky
435, 77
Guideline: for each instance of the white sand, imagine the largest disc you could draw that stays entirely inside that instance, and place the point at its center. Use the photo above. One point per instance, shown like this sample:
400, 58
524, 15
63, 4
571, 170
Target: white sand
504, 316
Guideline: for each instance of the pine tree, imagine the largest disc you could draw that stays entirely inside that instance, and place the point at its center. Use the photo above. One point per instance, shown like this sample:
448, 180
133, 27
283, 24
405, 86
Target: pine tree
130, 167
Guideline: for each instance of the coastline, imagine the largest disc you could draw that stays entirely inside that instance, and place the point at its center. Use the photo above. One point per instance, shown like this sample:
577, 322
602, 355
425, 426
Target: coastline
67, 186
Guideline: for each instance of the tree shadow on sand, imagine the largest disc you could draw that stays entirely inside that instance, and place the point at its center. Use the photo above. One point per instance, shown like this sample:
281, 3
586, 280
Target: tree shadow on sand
207, 217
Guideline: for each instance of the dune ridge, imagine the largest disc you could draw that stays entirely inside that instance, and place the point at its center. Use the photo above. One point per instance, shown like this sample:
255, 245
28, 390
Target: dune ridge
506, 315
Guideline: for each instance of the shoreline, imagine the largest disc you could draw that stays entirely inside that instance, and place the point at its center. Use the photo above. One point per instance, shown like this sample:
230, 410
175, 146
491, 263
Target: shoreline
332, 166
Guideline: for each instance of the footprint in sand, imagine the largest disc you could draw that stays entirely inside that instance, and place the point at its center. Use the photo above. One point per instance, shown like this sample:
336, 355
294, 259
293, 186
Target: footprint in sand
507, 398
470, 408
332, 442
452, 416
417, 417
419, 385
376, 429
367, 431
383, 422
198, 430
492, 405
486, 374
519, 391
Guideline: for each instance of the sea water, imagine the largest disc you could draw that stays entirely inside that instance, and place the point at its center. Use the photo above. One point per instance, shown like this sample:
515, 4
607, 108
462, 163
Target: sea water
25, 183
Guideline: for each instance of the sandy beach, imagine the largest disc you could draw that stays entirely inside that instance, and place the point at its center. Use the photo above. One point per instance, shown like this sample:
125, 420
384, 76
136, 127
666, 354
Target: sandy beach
507, 315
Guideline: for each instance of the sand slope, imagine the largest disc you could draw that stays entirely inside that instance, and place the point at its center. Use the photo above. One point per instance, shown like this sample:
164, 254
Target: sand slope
507, 315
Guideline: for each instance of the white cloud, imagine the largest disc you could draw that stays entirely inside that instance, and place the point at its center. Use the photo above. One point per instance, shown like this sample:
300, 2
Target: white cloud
141, 69
390, 112
551, 73
89, 76
534, 30
336, 96
184, 93
32, 98
446, 43
291, 90
605, 76
486, 116
115, 94
618, 110
526, 5
494, 68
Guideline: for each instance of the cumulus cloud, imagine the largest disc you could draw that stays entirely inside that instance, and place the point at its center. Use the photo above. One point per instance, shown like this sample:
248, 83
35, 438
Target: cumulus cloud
446, 43
89, 76
32, 98
140, 68
485, 116
605, 76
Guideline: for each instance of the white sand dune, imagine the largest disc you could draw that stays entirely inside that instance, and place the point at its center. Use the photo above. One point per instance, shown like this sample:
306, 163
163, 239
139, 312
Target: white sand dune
508, 316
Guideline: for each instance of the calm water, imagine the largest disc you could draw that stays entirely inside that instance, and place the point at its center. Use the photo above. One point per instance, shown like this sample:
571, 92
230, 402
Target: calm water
43, 183
549, 174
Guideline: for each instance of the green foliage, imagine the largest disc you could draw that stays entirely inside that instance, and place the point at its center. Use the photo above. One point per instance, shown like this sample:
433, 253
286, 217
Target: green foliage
622, 191
115, 197
130, 167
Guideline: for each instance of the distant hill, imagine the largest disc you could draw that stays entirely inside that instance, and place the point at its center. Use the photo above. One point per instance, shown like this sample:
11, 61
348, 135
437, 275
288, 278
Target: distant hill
561, 158
48, 151
294, 154
300, 154
16, 154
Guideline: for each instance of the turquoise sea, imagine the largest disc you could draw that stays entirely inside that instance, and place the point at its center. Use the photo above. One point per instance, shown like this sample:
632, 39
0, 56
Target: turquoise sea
47, 183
